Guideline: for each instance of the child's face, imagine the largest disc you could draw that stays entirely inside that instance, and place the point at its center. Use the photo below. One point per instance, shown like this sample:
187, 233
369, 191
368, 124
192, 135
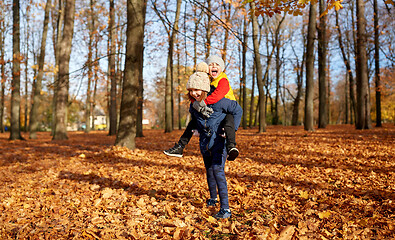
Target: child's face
196, 94
214, 70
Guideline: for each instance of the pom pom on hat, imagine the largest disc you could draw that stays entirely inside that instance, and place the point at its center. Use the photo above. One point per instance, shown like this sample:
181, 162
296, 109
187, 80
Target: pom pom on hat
216, 59
202, 67
199, 80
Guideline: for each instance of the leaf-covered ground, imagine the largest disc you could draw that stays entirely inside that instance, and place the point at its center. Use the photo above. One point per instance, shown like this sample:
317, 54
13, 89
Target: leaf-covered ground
334, 183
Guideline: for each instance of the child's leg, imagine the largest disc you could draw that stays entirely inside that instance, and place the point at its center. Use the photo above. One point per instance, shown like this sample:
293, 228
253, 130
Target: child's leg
178, 149
219, 159
229, 128
211, 182
222, 185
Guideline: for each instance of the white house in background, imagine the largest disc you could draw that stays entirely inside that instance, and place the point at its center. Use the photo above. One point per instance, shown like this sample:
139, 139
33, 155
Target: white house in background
99, 121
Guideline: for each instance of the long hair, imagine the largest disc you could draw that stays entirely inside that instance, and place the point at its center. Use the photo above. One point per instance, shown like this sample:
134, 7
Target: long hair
202, 97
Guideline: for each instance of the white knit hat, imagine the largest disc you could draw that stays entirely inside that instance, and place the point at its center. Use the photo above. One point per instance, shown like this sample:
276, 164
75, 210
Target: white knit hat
199, 80
217, 60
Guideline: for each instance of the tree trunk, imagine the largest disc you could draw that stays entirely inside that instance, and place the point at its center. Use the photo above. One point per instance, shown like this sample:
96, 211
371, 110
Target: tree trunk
377, 64
363, 103
88, 103
15, 132
3, 80
95, 78
37, 87
25, 128
275, 118
299, 84
169, 74
322, 46
309, 101
56, 42
208, 30
113, 79
140, 101
62, 86
259, 70
226, 18
178, 92
244, 70
346, 102
126, 134
348, 68
252, 96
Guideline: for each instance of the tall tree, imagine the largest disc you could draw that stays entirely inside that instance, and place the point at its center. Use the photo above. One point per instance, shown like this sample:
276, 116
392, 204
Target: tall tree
227, 9
88, 102
322, 60
27, 68
58, 14
363, 102
244, 70
140, 101
111, 67
377, 64
299, 82
170, 73
126, 134
346, 61
62, 84
309, 99
37, 85
2, 69
208, 30
277, 46
259, 71
15, 132
252, 103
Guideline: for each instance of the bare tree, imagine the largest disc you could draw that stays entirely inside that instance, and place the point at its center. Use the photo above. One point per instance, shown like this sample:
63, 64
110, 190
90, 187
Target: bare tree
15, 132
37, 85
62, 84
377, 64
111, 68
309, 105
244, 70
346, 61
322, 59
208, 30
126, 134
363, 102
259, 71
299, 82
3, 77
25, 129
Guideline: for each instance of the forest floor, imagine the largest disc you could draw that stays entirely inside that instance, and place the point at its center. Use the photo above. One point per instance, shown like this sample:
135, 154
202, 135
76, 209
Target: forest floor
333, 183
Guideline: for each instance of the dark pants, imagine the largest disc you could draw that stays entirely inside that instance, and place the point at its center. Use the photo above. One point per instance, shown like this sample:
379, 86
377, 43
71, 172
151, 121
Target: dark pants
214, 163
228, 125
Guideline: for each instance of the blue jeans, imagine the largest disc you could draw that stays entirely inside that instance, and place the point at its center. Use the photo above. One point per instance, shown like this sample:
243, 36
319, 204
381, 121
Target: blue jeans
214, 162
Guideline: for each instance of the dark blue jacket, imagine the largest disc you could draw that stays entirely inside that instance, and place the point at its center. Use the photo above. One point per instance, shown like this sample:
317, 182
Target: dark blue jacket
210, 128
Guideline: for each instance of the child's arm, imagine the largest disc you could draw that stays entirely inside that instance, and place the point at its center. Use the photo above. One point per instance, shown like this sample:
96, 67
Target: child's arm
219, 93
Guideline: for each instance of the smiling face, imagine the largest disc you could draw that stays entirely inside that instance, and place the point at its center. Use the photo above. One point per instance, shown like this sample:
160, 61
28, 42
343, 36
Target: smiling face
197, 94
214, 70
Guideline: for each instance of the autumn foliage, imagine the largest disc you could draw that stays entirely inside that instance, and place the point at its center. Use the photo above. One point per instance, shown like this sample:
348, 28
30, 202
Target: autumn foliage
334, 183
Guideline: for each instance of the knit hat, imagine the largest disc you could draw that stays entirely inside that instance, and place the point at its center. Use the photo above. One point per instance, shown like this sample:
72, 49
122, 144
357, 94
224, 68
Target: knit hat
202, 67
217, 60
199, 80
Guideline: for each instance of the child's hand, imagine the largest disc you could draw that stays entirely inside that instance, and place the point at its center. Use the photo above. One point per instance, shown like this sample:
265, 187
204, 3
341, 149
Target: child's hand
202, 108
